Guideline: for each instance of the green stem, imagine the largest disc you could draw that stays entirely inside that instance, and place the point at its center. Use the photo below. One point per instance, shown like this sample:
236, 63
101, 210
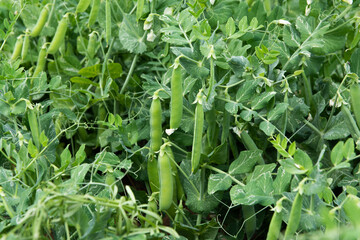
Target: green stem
315, 129
308, 91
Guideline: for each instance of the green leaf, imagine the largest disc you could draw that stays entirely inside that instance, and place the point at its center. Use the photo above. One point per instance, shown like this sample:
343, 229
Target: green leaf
337, 128
255, 192
302, 160
348, 149
289, 165
83, 80
337, 153
32, 149
238, 64
19, 107
277, 111
245, 162
282, 181
131, 35
230, 27
91, 72
246, 91
267, 127
231, 107
261, 101
43, 139
65, 157
80, 155
218, 182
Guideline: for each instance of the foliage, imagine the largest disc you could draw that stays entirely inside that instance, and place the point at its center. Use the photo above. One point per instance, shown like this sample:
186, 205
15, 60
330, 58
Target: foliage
276, 83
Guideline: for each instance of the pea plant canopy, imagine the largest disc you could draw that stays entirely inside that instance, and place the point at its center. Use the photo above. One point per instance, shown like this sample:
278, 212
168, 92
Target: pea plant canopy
179, 119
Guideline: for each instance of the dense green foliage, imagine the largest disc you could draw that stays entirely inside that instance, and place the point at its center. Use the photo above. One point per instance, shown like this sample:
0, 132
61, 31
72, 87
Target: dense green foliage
169, 119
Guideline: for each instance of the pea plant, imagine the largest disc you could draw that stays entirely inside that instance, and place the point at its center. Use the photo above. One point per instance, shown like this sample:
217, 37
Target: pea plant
168, 119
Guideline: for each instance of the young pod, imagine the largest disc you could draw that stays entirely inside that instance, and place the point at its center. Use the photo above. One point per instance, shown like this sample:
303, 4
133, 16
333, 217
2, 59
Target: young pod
275, 223
91, 47
95, 6
176, 105
17, 48
153, 175
166, 180
295, 215
107, 20
82, 5
41, 61
355, 100
155, 123
26, 45
40, 22
59, 36
198, 132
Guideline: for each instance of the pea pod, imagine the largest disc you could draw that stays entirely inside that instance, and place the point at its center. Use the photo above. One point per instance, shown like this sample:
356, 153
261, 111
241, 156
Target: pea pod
176, 105
94, 12
26, 45
276, 221
17, 48
34, 127
107, 20
40, 22
153, 175
155, 123
82, 5
355, 100
91, 47
59, 36
179, 194
166, 180
295, 215
198, 132
41, 61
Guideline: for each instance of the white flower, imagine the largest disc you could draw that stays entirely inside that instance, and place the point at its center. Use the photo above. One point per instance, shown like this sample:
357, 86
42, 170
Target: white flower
150, 36
308, 2
348, 1
148, 22
212, 2
283, 22
307, 10
168, 11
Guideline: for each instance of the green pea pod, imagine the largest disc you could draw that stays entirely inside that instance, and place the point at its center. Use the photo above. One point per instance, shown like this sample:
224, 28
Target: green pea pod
176, 105
59, 36
82, 5
212, 128
352, 209
107, 20
139, 9
94, 12
17, 49
26, 45
91, 47
41, 61
179, 194
295, 215
166, 180
153, 175
198, 132
355, 101
275, 223
155, 123
40, 22
34, 127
